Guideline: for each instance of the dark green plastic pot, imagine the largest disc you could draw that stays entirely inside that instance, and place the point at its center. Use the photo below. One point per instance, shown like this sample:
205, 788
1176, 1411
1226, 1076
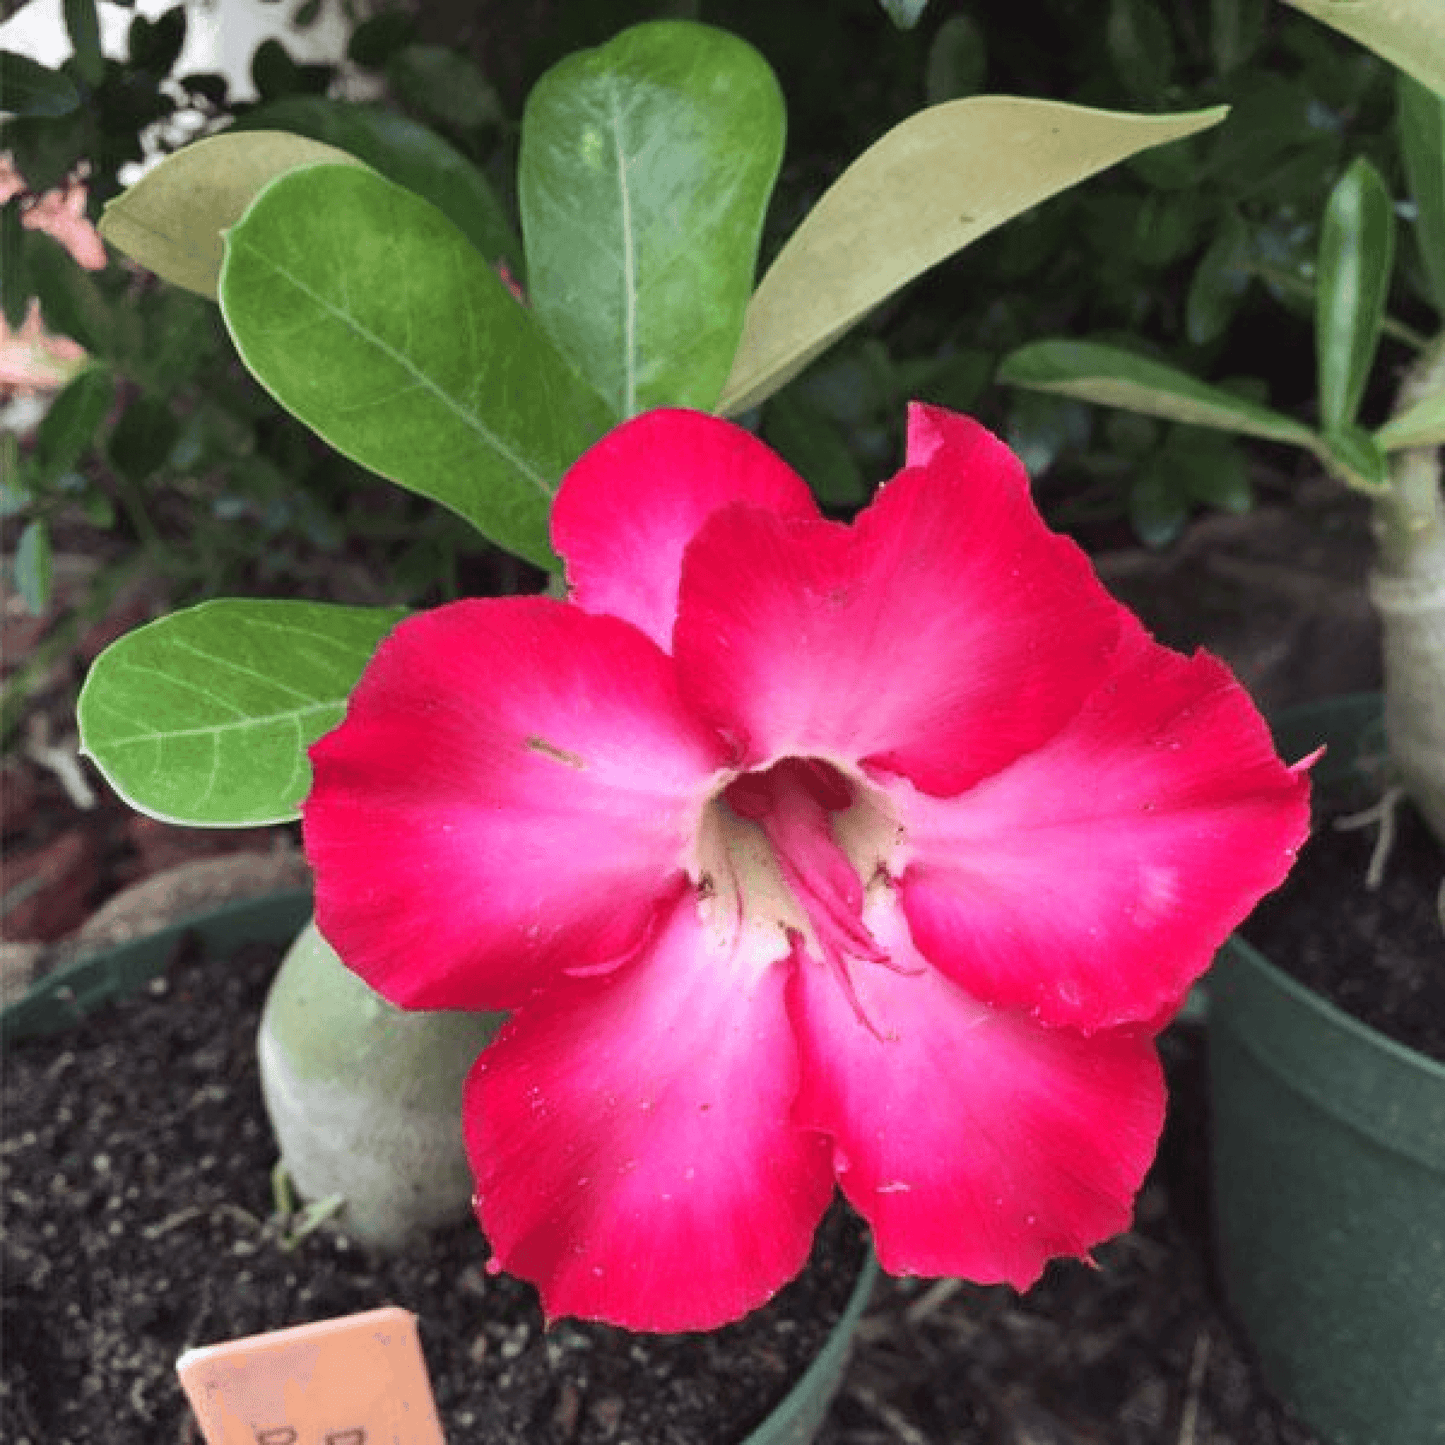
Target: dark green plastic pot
1329, 1164
800, 1414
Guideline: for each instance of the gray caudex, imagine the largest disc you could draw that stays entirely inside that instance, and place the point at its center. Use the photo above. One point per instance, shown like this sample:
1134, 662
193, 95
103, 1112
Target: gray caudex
365, 1098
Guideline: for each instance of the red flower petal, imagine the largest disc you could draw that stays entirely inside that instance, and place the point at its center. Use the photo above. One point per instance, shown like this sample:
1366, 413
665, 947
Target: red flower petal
976, 1143
631, 1140
942, 636
1093, 880
511, 794
630, 505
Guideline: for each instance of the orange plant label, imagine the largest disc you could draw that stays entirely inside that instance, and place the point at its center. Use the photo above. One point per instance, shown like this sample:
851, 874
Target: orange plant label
358, 1380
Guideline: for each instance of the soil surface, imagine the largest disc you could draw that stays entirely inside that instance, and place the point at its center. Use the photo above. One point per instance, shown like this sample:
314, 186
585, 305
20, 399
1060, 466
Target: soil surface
1383, 958
140, 1222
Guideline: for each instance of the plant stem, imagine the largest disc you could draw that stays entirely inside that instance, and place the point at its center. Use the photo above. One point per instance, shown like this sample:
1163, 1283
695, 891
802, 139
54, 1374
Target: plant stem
1407, 587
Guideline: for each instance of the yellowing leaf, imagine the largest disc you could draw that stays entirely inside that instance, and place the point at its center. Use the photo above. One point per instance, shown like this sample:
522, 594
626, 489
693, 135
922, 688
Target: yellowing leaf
172, 219
1409, 34
933, 184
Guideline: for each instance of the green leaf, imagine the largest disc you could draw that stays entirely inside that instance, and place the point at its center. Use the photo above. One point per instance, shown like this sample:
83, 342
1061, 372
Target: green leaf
273, 72
811, 445
444, 86
1109, 376
1410, 34
1208, 468
1140, 47
905, 14
16, 288
154, 45
1357, 253
932, 185
33, 567
70, 301
376, 40
68, 430
30, 89
1218, 284
1421, 120
1158, 508
1356, 456
645, 171
173, 218
368, 315
204, 717
143, 438
82, 25
957, 60
1421, 425
404, 152
1236, 28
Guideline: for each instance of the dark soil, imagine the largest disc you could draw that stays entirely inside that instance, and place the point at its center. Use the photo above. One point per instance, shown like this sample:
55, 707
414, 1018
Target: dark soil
139, 1222
1382, 958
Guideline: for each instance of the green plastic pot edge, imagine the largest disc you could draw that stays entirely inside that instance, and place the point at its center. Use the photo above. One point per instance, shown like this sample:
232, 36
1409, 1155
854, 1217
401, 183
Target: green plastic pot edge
800, 1414
65, 997
1329, 1176
1342, 1067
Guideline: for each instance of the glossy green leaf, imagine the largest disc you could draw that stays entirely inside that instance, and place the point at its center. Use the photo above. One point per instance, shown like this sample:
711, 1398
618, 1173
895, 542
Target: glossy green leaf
1422, 144
645, 171
273, 72
15, 247
172, 219
204, 717
377, 39
367, 314
1141, 47
1357, 457
1421, 425
444, 86
1218, 284
33, 567
812, 446
1356, 256
82, 25
143, 438
70, 300
1410, 34
905, 14
1109, 376
404, 152
957, 60
1158, 508
1209, 468
1236, 28
68, 430
154, 45
932, 185
27, 88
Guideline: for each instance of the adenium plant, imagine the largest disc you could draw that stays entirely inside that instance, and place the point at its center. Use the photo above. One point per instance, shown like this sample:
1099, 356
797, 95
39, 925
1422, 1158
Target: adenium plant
1395, 464
804, 854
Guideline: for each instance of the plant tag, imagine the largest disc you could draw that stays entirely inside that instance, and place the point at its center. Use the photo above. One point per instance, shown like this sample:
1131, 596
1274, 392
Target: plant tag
357, 1380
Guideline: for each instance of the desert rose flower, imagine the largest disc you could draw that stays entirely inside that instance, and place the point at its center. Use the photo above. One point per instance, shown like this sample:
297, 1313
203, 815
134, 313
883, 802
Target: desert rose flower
805, 855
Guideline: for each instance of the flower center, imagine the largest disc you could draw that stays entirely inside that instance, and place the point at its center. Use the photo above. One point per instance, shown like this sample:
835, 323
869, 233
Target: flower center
785, 859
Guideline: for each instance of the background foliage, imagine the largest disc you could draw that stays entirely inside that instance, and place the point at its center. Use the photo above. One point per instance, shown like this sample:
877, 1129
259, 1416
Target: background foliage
1201, 253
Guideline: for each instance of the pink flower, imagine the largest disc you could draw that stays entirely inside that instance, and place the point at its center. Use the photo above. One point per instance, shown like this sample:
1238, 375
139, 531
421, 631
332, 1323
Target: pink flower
32, 360
805, 854
59, 214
